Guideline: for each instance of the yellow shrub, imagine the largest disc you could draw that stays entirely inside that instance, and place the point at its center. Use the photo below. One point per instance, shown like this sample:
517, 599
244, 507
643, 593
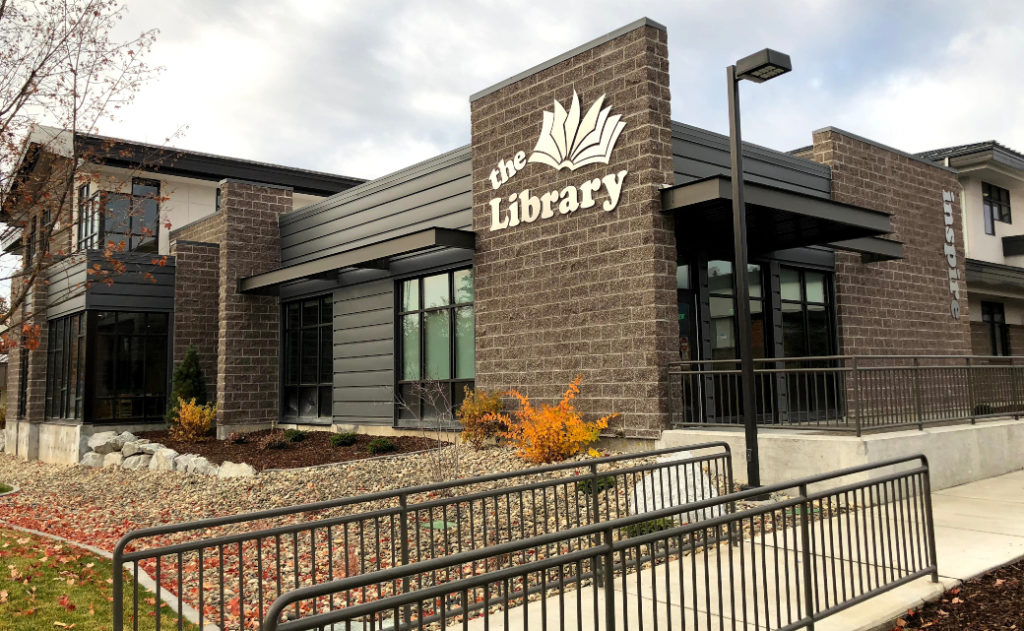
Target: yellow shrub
481, 417
193, 421
552, 433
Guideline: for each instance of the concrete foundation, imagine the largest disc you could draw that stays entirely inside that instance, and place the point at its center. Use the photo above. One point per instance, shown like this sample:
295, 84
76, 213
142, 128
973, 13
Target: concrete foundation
58, 442
956, 454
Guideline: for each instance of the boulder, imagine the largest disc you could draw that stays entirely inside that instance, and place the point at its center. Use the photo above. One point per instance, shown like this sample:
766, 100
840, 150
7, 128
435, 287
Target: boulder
139, 462
183, 462
150, 448
92, 459
113, 459
105, 442
3, 440
236, 470
202, 466
163, 460
128, 437
132, 448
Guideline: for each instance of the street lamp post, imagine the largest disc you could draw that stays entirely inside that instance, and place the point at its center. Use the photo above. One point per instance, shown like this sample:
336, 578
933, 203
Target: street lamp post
759, 67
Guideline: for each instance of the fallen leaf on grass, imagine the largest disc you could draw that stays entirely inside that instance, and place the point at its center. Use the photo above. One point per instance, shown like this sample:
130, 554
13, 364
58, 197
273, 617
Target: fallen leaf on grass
65, 602
63, 625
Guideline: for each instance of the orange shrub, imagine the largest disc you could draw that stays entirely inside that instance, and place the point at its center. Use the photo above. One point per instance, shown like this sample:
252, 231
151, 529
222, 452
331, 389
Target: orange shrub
193, 421
481, 417
552, 433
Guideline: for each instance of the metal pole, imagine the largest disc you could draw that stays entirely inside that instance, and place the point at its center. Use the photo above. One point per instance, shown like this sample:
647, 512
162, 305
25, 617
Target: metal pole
742, 291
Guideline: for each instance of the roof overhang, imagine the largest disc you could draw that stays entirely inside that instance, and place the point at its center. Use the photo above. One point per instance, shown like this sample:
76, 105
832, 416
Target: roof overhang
374, 255
994, 276
777, 218
871, 249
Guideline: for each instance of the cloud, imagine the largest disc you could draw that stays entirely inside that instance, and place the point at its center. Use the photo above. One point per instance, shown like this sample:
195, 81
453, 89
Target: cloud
366, 88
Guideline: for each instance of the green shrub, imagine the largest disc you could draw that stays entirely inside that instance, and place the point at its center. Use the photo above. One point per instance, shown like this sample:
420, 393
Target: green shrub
647, 527
586, 486
381, 445
344, 439
294, 435
187, 383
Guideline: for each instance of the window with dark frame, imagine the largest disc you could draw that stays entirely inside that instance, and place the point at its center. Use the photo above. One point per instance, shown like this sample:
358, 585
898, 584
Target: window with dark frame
308, 365
30, 242
994, 317
996, 204
65, 367
109, 217
23, 383
128, 366
807, 328
436, 355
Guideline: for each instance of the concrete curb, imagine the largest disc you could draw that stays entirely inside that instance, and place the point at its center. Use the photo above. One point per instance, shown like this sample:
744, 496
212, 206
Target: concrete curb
145, 579
13, 490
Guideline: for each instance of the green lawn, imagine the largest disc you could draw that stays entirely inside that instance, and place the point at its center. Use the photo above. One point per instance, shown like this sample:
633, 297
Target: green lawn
4, 488
49, 585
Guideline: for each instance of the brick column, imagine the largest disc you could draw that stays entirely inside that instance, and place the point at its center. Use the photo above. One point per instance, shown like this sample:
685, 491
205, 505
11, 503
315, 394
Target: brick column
590, 291
196, 300
248, 326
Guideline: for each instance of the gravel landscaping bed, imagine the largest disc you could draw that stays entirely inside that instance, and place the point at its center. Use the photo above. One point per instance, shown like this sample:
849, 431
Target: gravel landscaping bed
314, 449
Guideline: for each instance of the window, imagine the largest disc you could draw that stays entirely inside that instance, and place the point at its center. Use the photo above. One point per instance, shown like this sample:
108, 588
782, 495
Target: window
308, 359
806, 313
129, 366
996, 203
65, 374
994, 317
216, 202
436, 344
722, 306
108, 217
23, 382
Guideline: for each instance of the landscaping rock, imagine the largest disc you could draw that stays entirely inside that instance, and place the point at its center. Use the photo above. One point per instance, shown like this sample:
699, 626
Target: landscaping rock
138, 462
105, 442
235, 470
151, 448
3, 440
183, 462
92, 459
113, 459
163, 460
202, 466
128, 437
132, 448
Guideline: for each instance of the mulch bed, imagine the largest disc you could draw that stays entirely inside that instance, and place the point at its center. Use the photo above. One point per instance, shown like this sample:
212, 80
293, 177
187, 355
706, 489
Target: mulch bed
315, 449
989, 602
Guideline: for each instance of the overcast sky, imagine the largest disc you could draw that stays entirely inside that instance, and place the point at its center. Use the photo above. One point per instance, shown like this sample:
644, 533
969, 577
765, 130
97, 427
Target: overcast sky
365, 88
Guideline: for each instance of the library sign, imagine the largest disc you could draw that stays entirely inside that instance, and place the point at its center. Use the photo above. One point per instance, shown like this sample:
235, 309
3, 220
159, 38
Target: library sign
568, 140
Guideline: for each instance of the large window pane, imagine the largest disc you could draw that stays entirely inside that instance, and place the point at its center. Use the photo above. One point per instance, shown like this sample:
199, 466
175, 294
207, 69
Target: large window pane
464, 343
310, 366
720, 277
815, 286
411, 295
437, 345
462, 281
410, 347
308, 358
326, 354
129, 366
435, 291
790, 284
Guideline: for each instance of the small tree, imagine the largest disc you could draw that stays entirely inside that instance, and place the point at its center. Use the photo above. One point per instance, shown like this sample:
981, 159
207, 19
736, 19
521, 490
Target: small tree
188, 383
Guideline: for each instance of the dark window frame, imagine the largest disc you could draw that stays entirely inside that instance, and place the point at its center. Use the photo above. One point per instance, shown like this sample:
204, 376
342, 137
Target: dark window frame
804, 303
154, 406
66, 367
996, 206
993, 314
409, 408
294, 383
94, 217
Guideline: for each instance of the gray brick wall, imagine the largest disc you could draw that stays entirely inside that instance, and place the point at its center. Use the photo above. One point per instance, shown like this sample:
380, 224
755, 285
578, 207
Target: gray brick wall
592, 292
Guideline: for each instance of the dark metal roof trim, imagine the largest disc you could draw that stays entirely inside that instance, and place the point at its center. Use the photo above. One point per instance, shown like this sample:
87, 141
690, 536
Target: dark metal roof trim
566, 55
719, 187
872, 249
994, 274
362, 256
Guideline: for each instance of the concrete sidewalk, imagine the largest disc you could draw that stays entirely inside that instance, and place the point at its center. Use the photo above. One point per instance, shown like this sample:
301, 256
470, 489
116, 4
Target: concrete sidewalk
978, 526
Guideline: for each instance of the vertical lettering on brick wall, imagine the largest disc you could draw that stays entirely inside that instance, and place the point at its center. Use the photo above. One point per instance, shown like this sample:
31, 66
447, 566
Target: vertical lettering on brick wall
949, 249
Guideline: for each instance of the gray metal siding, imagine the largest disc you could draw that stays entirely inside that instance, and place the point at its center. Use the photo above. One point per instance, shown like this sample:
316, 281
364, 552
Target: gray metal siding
698, 153
436, 193
364, 375
130, 291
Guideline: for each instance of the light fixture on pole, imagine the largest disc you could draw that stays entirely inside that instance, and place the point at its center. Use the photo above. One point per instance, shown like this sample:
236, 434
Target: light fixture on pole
759, 67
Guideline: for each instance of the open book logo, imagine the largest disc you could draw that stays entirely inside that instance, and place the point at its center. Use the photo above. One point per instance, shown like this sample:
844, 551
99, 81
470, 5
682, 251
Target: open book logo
569, 140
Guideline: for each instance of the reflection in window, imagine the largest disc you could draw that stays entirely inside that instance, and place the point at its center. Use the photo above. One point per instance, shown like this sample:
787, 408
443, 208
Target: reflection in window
436, 357
723, 310
65, 374
118, 218
994, 317
308, 359
130, 366
806, 315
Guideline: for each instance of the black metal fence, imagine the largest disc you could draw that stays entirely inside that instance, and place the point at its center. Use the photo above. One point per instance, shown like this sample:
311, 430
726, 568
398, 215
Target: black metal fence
838, 540
226, 571
854, 393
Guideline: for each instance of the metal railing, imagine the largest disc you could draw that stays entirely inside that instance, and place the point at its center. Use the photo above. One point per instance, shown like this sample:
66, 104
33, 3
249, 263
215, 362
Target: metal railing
854, 393
226, 571
785, 564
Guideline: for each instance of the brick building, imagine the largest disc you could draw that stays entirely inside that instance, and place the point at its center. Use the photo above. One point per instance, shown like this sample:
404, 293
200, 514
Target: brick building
582, 231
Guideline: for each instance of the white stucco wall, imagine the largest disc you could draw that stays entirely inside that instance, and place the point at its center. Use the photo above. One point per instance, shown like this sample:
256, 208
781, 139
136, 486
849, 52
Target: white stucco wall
982, 246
